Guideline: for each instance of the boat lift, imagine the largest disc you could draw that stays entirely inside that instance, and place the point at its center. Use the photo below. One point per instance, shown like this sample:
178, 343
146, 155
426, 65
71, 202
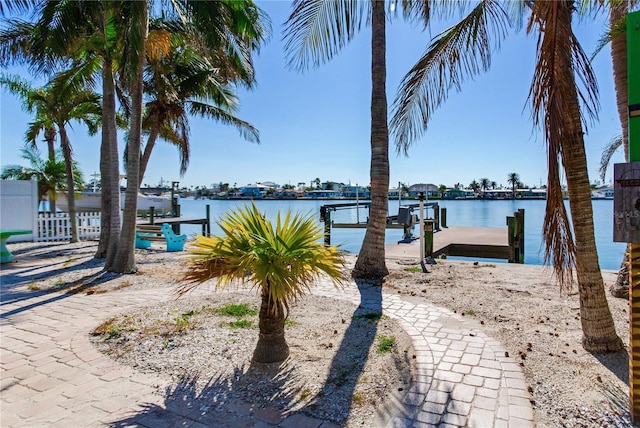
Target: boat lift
406, 219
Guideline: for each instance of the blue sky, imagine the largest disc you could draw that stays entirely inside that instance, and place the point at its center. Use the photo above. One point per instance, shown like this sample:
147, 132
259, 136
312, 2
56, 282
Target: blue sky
317, 124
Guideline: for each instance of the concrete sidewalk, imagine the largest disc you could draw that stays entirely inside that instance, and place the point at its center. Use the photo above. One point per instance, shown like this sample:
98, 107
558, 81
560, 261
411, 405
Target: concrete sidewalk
51, 375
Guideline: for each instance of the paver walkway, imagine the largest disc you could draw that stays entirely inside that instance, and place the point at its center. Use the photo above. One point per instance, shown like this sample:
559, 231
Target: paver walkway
51, 375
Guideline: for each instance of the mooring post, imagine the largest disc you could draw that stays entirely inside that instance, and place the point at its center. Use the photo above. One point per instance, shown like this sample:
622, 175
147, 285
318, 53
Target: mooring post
511, 232
436, 217
327, 227
520, 225
152, 214
206, 228
443, 217
428, 238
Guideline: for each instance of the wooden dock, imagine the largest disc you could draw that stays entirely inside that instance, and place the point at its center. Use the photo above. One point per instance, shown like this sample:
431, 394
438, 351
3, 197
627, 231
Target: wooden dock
175, 222
484, 242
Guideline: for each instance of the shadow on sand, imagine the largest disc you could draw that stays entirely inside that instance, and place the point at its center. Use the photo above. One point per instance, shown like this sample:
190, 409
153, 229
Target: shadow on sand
247, 395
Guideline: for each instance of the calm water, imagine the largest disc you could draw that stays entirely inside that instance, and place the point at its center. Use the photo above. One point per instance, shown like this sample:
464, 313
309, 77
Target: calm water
476, 213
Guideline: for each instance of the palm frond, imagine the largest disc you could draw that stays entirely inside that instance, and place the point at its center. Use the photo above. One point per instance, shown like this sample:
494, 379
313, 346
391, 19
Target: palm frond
247, 131
317, 30
619, 29
283, 261
461, 52
615, 143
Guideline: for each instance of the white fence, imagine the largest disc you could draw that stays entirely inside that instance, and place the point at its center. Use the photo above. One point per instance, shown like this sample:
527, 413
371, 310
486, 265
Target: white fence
56, 226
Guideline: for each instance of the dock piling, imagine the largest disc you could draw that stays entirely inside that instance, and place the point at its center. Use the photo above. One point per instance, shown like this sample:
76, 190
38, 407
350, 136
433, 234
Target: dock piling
443, 217
428, 238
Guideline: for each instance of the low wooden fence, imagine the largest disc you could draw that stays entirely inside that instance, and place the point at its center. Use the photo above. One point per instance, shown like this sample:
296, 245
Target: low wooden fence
56, 226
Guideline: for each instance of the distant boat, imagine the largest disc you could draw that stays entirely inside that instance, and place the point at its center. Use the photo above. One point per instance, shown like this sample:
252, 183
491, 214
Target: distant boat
602, 193
91, 201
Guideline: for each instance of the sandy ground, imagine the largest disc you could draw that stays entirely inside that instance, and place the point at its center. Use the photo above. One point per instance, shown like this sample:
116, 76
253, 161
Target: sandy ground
519, 305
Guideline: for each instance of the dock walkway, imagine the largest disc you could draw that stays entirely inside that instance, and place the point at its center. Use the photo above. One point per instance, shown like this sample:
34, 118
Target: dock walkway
485, 242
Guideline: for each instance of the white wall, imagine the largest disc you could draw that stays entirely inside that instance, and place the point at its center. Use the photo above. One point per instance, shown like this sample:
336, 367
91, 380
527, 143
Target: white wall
19, 207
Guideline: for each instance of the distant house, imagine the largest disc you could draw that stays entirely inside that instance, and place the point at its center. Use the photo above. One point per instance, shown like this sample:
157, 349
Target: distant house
457, 193
254, 191
430, 190
603, 192
498, 194
269, 184
350, 191
393, 193
323, 194
531, 193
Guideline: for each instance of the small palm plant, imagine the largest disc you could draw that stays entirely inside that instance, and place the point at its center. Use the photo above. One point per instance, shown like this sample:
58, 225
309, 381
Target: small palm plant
282, 262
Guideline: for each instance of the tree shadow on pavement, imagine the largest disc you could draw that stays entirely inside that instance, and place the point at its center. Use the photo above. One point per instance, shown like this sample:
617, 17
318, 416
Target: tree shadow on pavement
351, 357
223, 401
252, 394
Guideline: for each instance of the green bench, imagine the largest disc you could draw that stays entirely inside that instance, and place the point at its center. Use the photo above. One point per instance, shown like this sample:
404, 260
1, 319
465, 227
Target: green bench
5, 254
147, 233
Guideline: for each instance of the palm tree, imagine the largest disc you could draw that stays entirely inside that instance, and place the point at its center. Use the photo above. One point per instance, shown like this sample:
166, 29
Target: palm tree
314, 33
86, 40
182, 82
54, 106
513, 178
485, 184
242, 30
617, 36
282, 262
51, 174
475, 186
555, 103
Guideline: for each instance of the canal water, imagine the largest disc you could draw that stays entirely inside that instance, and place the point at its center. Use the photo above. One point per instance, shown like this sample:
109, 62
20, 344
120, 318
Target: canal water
476, 213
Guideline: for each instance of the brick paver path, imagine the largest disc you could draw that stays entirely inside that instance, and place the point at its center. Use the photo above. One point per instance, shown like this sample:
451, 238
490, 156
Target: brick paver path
52, 376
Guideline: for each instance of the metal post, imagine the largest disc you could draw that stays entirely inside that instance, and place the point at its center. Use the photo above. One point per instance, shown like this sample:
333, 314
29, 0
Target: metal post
633, 70
421, 197
152, 215
327, 228
206, 228
357, 206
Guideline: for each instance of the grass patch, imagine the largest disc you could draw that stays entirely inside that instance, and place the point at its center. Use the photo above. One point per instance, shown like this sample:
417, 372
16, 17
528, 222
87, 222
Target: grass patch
34, 287
371, 316
183, 322
305, 394
240, 324
68, 263
413, 269
289, 322
359, 398
240, 310
108, 329
385, 344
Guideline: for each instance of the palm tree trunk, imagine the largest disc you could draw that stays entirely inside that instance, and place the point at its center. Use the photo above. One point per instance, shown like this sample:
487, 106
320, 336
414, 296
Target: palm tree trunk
109, 169
599, 333
617, 12
50, 138
371, 259
272, 346
68, 160
144, 160
124, 261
